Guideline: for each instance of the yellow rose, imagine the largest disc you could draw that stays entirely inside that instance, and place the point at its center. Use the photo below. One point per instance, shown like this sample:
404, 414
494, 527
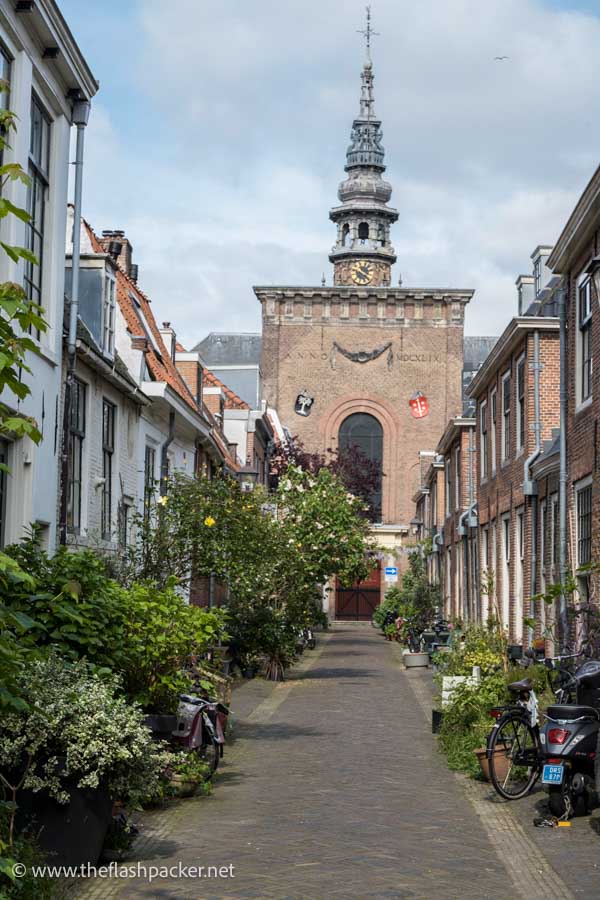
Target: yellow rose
209, 522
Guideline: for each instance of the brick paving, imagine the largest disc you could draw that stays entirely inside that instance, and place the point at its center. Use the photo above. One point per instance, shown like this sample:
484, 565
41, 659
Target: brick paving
332, 787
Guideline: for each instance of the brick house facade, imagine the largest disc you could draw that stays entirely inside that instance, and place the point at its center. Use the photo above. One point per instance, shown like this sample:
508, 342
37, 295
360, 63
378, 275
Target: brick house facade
506, 442
456, 450
575, 259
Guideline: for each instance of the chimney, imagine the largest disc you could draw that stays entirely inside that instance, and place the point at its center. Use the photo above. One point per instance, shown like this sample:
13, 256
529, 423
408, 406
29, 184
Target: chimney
190, 368
525, 292
169, 339
125, 253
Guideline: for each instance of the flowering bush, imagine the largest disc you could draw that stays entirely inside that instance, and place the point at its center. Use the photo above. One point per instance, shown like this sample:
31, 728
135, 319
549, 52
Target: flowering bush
76, 731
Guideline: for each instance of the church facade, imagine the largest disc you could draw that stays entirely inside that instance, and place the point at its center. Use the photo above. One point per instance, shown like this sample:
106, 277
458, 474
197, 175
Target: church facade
362, 362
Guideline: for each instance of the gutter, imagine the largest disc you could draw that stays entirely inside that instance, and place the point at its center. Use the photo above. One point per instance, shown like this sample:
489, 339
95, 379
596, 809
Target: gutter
112, 375
80, 116
563, 474
164, 459
530, 485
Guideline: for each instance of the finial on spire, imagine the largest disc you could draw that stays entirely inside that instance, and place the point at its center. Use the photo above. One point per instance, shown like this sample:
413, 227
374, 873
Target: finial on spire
368, 33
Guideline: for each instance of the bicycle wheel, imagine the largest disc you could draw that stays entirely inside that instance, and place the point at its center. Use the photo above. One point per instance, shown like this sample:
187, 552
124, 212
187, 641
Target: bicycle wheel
211, 753
513, 756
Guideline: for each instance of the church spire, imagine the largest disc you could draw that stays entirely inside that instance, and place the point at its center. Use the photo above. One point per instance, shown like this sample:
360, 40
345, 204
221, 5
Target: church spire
363, 253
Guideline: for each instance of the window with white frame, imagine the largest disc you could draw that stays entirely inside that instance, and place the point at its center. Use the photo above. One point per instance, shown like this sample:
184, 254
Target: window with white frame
5, 73
108, 316
554, 539
485, 565
505, 448
109, 411
542, 555
519, 573
521, 403
457, 479
583, 511
505, 571
37, 193
483, 438
493, 425
448, 485
584, 339
537, 275
448, 574
75, 444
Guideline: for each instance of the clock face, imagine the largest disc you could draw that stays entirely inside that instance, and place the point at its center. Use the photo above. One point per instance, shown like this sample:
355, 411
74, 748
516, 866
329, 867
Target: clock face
362, 272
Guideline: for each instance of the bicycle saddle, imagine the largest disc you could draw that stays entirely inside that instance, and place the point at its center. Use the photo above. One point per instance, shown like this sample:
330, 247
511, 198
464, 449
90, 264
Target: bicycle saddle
521, 687
569, 712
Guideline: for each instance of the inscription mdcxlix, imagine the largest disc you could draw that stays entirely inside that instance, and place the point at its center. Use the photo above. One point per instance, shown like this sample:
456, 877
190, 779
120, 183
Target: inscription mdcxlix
399, 357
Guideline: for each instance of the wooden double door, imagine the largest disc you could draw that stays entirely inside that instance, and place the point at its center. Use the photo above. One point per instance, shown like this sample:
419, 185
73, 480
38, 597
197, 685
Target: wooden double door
358, 602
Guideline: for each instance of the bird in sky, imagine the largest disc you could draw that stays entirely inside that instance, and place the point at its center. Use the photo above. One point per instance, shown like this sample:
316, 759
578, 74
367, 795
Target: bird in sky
502, 57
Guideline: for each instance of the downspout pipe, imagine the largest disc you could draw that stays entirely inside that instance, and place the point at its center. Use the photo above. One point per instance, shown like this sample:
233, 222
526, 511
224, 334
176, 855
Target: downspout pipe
80, 117
164, 458
81, 114
530, 487
563, 474
463, 532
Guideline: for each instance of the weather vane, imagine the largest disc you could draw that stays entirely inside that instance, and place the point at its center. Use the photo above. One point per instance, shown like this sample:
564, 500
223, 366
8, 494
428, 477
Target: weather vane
368, 32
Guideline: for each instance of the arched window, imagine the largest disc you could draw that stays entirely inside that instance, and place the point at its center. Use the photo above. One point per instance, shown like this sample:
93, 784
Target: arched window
363, 432
345, 235
363, 232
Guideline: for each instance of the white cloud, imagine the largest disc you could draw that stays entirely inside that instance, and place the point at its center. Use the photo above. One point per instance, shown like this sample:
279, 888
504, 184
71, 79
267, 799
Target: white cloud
249, 111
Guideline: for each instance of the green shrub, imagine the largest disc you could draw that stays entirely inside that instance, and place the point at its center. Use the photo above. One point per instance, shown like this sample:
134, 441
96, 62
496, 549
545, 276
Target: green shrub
390, 604
467, 723
163, 636
76, 609
476, 646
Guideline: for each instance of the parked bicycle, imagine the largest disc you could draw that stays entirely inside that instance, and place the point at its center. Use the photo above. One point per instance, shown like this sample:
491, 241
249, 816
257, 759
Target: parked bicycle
201, 726
514, 748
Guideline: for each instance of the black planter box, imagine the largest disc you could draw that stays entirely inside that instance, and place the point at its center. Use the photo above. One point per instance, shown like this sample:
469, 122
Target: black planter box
71, 834
161, 726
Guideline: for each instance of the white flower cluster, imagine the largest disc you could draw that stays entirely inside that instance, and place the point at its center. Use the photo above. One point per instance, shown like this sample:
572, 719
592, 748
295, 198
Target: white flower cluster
78, 732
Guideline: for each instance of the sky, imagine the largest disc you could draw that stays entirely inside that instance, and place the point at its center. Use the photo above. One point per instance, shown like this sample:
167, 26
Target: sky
217, 141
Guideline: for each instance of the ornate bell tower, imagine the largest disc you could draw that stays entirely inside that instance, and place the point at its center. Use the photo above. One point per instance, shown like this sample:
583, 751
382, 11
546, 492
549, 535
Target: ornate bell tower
363, 254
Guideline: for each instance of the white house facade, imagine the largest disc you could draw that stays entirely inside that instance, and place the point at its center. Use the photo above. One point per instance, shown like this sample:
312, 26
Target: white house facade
46, 73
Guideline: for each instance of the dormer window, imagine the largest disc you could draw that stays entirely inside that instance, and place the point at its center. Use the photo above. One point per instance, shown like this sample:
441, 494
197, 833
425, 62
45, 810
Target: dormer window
537, 275
108, 316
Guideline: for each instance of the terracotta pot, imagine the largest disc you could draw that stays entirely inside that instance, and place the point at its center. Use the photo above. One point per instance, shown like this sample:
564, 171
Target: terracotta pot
501, 762
183, 785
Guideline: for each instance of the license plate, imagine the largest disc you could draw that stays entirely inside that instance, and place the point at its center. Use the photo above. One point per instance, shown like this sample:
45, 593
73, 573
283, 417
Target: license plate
552, 774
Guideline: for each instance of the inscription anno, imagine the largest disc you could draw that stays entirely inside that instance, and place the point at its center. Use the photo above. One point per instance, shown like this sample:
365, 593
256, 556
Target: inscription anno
400, 357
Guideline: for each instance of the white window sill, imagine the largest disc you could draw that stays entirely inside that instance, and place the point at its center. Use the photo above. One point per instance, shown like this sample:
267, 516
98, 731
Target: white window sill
49, 355
584, 405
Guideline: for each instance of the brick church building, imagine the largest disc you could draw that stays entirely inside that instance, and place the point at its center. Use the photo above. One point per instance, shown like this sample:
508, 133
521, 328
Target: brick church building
362, 362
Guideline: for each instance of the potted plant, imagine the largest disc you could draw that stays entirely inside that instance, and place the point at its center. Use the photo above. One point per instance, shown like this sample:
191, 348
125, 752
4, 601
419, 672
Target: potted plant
74, 747
187, 771
119, 838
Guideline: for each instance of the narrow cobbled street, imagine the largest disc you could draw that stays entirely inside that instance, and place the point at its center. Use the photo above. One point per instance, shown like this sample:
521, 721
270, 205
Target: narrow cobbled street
333, 786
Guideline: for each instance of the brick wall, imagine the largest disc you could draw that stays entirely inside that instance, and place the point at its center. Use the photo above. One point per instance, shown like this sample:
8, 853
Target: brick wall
425, 353
500, 493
